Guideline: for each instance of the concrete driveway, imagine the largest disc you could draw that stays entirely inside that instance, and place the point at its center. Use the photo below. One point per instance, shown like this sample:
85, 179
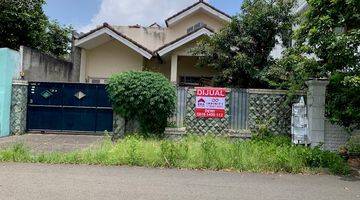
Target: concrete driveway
52, 182
52, 142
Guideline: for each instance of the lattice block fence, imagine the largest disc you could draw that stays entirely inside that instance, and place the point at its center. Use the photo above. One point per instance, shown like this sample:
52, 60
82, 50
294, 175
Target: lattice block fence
202, 125
246, 110
267, 107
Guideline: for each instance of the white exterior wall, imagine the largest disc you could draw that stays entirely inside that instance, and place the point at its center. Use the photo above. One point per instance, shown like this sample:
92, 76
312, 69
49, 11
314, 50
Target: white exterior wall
180, 28
154, 38
110, 58
278, 49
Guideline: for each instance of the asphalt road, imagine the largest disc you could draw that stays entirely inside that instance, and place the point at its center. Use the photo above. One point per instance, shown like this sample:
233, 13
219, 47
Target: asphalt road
40, 182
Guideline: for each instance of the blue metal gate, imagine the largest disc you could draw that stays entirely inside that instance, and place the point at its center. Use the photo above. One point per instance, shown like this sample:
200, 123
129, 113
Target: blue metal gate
69, 107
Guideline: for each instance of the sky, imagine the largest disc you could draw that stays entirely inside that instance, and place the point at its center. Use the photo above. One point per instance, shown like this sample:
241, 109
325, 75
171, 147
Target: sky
85, 15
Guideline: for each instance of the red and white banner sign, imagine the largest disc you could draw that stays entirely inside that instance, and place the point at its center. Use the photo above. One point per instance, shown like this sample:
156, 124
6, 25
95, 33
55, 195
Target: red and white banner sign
210, 102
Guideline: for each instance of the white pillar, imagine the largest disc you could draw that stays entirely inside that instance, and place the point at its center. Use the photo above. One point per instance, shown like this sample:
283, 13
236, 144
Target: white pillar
174, 68
83, 66
316, 110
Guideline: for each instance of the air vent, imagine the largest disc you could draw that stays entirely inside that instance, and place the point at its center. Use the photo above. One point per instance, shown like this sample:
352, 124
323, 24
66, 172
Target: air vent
98, 80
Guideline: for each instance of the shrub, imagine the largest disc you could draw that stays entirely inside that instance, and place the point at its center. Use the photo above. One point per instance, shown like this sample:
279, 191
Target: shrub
353, 145
317, 158
343, 100
144, 96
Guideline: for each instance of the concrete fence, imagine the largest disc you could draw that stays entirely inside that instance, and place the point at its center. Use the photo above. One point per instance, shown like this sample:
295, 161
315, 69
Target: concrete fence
246, 110
335, 136
37, 66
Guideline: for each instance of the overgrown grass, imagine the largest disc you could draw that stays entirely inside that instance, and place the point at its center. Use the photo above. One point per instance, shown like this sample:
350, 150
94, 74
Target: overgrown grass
273, 154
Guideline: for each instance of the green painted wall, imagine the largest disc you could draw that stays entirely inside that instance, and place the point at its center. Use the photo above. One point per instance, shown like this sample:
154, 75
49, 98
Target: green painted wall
9, 61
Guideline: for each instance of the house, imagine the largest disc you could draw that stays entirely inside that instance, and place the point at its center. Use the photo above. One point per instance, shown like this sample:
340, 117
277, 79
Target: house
299, 9
110, 49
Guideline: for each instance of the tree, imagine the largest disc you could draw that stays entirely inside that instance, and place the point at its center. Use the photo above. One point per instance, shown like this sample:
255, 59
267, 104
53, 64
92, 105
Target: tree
58, 39
242, 49
327, 46
23, 22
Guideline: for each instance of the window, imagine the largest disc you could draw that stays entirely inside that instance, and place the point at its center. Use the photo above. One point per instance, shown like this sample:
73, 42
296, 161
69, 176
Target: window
196, 27
191, 29
195, 81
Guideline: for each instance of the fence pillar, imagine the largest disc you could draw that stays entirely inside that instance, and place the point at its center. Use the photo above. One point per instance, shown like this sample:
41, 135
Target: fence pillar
18, 107
76, 53
119, 126
316, 110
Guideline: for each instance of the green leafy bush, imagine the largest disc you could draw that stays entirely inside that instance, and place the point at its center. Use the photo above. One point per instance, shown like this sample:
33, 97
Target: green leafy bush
343, 100
316, 158
144, 96
353, 145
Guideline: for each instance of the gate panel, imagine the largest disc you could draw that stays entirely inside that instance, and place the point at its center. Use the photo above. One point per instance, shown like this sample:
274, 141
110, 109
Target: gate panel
69, 107
239, 109
44, 118
79, 119
80, 95
45, 94
104, 120
102, 97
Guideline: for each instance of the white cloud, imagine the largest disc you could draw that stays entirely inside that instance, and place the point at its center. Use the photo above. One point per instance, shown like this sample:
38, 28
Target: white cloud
131, 12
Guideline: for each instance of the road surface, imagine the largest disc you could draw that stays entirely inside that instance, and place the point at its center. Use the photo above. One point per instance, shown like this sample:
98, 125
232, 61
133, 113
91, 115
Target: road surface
47, 182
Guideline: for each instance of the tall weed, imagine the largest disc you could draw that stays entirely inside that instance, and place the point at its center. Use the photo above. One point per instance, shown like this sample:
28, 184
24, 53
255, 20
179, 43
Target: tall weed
269, 154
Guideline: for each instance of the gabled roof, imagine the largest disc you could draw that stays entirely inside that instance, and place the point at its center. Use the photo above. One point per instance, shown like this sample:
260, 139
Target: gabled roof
106, 29
195, 7
163, 50
183, 40
155, 25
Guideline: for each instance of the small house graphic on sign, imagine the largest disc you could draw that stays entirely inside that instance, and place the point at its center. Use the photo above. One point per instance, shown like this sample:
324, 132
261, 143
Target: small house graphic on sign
201, 102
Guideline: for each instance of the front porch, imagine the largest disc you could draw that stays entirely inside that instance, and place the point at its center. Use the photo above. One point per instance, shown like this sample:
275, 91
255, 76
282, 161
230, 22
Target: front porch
182, 70
183, 63
185, 72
